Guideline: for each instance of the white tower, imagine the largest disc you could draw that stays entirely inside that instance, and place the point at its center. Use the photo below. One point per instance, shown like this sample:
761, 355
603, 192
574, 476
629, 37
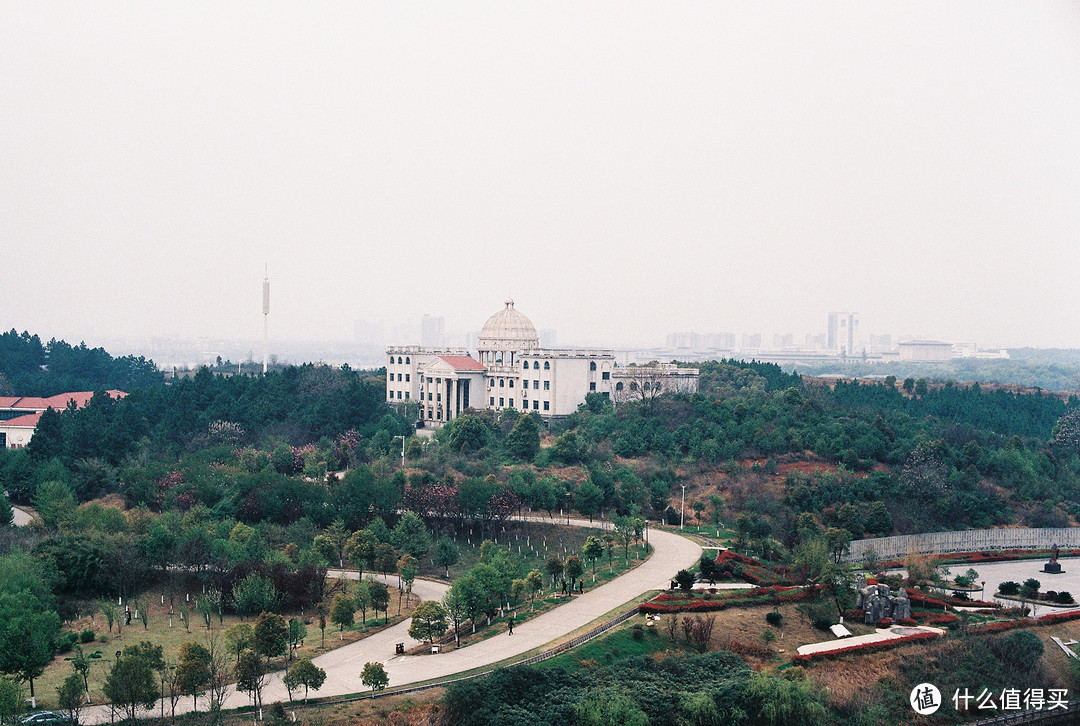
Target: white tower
266, 316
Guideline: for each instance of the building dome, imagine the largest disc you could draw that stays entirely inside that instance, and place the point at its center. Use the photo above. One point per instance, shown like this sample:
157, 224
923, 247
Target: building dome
508, 330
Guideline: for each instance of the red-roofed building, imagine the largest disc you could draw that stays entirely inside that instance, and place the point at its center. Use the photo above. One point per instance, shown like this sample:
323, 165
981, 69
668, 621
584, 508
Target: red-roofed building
511, 371
19, 415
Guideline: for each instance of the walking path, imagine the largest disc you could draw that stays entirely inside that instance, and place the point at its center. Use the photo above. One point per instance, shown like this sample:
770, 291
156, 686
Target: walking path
876, 637
671, 553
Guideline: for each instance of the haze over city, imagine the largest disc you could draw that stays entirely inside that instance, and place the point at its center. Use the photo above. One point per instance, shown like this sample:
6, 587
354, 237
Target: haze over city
622, 171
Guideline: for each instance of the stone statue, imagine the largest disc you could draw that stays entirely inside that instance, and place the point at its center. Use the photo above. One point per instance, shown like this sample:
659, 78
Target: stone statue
1053, 567
876, 602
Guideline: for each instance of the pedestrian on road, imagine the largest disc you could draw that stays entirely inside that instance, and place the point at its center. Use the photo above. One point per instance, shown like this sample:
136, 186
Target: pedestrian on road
511, 620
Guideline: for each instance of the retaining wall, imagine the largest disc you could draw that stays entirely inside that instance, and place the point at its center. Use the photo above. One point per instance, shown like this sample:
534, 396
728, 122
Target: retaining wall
972, 540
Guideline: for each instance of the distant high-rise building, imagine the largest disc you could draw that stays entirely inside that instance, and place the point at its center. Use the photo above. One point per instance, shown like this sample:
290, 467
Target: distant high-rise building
816, 342
684, 341
432, 330
783, 340
718, 341
841, 332
751, 341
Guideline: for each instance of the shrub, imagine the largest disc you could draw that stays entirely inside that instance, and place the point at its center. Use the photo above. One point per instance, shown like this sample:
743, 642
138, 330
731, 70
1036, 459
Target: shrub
87, 636
1009, 588
885, 623
66, 642
637, 632
1065, 597
907, 622
774, 618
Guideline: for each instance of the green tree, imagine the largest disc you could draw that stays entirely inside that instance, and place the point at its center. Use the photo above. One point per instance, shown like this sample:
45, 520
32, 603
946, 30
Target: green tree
782, 702
69, 697
411, 536
878, 519
456, 608
374, 677
297, 632
193, 671
362, 598
523, 441
341, 613
131, 684
685, 578
80, 662
921, 388
593, 549
7, 514
408, 568
554, 567
11, 700
239, 638
254, 594
468, 432
610, 708
380, 599
573, 568
271, 635
589, 498
251, 675
304, 673
446, 554
28, 633
428, 621
360, 549
55, 503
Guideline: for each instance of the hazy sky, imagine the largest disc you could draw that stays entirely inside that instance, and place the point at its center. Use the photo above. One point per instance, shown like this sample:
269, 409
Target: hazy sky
624, 169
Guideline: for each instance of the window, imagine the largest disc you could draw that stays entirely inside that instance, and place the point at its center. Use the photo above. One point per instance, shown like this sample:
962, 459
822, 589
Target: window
491, 383
491, 401
438, 380
547, 385
536, 366
430, 413
547, 405
511, 382
406, 395
407, 360
524, 403
605, 394
525, 365
547, 366
536, 405
605, 376
429, 396
592, 385
399, 394
633, 386
429, 379
592, 366
502, 383
438, 397
501, 404
399, 376
618, 386
511, 403
399, 359
391, 360
536, 385
407, 377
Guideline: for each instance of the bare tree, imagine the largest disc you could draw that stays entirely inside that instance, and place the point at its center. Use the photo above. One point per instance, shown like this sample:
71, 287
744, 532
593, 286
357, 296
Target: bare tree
220, 674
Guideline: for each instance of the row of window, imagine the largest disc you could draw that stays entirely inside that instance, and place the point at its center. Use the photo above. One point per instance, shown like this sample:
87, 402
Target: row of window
398, 360
399, 376
536, 365
524, 404
524, 384
391, 395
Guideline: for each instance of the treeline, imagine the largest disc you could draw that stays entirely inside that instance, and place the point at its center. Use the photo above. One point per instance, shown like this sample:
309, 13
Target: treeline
29, 367
695, 689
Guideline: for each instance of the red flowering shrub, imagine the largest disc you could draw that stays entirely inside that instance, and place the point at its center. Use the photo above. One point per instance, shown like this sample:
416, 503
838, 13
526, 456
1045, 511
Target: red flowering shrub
907, 622
885, 623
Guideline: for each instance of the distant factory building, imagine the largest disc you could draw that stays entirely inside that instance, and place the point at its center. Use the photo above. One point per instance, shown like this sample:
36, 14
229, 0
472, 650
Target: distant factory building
926, 350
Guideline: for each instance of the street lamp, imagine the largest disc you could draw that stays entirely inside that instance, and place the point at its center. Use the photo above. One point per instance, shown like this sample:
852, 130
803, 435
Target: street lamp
682, 507
402, 450
568, 509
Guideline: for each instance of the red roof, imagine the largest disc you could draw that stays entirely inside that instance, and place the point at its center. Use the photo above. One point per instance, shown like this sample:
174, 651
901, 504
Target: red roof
29, 421
462, 363
59, 401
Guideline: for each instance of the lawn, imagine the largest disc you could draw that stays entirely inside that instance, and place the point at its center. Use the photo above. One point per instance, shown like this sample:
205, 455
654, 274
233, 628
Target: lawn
156, 630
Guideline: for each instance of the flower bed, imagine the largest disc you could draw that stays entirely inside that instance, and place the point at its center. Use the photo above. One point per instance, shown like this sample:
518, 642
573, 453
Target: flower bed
741, 648
675, 602
983, 556
749, 569
941, 618
919, 599
864, 647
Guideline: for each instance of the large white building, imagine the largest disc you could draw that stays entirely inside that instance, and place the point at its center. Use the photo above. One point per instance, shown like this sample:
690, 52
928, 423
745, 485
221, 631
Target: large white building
511, 370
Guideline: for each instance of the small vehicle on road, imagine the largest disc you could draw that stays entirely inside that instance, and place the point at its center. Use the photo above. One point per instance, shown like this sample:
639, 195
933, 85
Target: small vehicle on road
44, 717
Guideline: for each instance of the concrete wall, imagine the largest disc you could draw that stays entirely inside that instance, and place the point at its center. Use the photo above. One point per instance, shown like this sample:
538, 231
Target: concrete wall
973, 540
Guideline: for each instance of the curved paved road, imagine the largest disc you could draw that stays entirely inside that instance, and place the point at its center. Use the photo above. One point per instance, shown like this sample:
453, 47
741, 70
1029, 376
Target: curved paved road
671, 553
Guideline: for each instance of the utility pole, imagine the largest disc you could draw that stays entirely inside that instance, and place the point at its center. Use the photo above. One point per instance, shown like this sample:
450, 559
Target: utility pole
266, 315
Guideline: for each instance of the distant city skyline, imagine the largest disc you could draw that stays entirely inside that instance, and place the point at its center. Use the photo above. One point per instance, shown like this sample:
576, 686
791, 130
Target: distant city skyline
623, 170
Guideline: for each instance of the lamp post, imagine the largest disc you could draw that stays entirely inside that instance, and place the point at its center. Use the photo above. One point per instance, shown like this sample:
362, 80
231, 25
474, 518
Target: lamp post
568, 509
402, 450
682, 507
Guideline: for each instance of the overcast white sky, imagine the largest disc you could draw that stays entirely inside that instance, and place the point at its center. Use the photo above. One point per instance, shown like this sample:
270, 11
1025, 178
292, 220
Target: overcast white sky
625, 169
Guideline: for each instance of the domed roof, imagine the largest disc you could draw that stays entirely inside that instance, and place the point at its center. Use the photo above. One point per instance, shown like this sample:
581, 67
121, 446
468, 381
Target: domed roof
508, 329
